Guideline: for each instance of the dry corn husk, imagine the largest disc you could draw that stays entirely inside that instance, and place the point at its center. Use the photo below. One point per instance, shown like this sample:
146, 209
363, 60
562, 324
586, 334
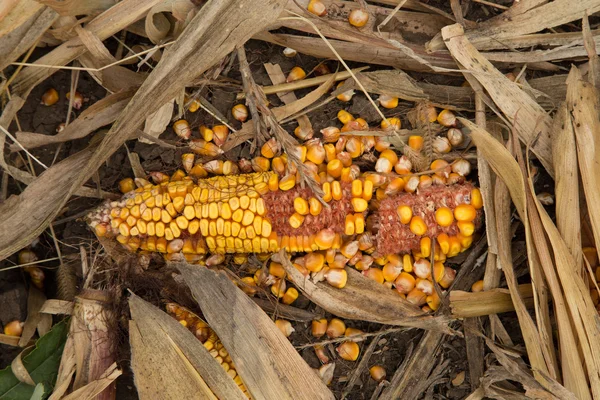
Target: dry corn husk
576, 306
583, 103
355, 301
266, 361
469, 304
169, 362
567, 183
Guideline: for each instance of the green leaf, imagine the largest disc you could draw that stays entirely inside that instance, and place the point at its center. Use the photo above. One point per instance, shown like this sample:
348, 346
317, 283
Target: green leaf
42, 364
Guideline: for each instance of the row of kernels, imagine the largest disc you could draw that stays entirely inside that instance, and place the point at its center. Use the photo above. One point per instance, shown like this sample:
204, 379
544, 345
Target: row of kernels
209, 339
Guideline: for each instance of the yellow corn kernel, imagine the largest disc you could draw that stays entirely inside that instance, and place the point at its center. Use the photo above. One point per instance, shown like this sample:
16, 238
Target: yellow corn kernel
334, 168
296, 220
315, 206
405, 214
466, 228
444, 216
301, 206
444, 243
367, 190
455, 246
290, 296
465, 212
336, 190
425, 246
314, 262
349, 227
359, 204
357, 188
126, 185
476, 198
287, 182
348, 351
344, 116
325, 239
359, 223
418, 226
327, 196
415, 142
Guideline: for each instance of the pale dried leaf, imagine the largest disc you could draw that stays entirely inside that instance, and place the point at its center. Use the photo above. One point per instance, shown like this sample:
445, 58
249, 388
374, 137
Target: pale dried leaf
94, 388
583, 105
529, 119
504, 165
292, 108
536, 19
267, 362
35, 301
21, 39
14, 15
494, 301
78, 7
103, 26
66, 371
19, 369
157, 122
155, 364
56, 307
567, 184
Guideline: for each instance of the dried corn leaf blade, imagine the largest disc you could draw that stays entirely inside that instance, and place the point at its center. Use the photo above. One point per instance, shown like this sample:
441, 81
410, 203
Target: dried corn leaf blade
355, 301
95, 389
494, 301
519, 373
584, 316
583, 104
17, 14
103, 26
26, 216
99, 114
163, 348
199, 47
573, 374
529, 119
78, 7
537, 19
292, 108
567, 184
25, 36
507, 169
355, 52
158, 121
267, 362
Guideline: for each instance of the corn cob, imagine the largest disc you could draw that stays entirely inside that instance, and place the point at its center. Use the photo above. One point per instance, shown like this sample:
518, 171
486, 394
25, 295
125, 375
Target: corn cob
363, 220
209, 339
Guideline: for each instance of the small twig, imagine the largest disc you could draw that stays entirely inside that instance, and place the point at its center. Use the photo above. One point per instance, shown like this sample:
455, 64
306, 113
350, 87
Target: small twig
304, 83
252, 98
354, 338
489, 3
29, 263
94, 69
7, 133
362, 365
